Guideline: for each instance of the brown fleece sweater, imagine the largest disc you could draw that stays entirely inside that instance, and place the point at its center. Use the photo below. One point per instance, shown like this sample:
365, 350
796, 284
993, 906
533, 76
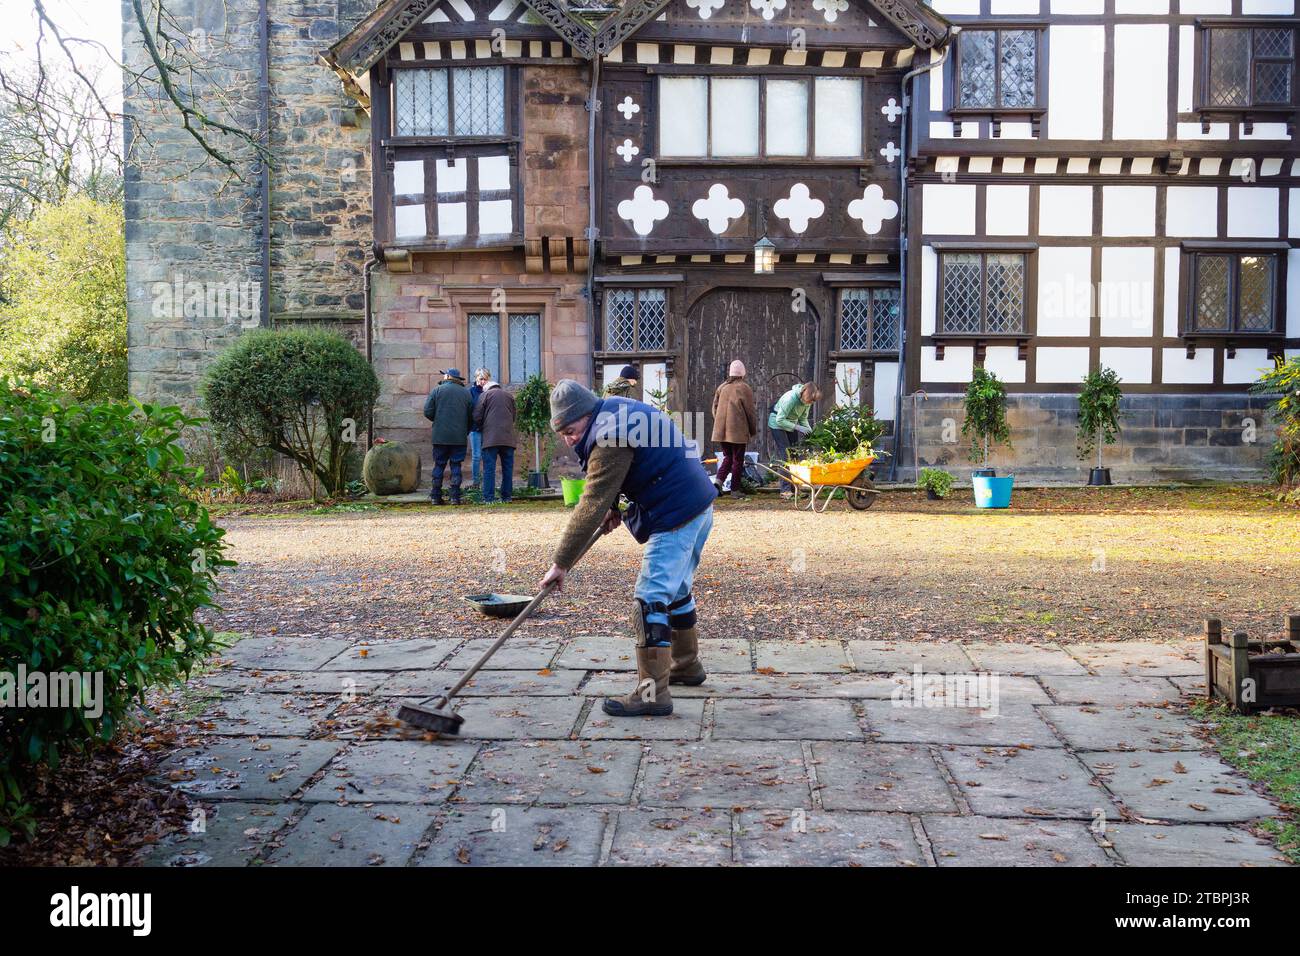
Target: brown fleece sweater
606, 469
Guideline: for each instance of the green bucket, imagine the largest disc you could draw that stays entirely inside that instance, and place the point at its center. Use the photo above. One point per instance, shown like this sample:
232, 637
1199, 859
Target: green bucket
572, 488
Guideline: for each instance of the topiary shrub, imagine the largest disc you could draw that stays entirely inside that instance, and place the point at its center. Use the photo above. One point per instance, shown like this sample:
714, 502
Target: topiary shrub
103, 564
1099, 411
986, 415
300, 392
533, 415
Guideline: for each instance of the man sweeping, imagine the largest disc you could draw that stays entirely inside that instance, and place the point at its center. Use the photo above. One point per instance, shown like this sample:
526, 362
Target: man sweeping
632, 448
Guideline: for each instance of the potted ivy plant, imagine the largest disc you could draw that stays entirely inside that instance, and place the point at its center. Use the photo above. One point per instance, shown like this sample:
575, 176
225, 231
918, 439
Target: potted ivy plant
936, 482
986, 426
533, 417
1099, 418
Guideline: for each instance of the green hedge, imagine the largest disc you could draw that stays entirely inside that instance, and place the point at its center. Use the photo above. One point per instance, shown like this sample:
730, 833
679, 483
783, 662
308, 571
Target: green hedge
103, 564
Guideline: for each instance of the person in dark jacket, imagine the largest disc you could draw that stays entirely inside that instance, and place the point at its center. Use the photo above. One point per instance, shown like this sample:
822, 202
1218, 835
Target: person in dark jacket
631, 448
626, 385
495, 417
450, 407
481, 376
735, 423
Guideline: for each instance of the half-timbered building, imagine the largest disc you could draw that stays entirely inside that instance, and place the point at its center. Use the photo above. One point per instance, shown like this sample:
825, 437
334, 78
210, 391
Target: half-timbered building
881, 195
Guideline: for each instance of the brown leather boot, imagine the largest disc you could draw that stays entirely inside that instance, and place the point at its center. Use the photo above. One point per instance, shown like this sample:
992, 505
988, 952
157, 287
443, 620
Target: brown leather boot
650, 697
687, 668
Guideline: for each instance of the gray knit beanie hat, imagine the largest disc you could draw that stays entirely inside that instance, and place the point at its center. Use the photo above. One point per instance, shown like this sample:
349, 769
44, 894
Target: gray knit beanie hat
569, 402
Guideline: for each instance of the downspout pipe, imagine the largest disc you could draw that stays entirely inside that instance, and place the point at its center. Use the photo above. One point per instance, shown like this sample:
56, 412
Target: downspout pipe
905, 251
593, 233
264, 119
368, 336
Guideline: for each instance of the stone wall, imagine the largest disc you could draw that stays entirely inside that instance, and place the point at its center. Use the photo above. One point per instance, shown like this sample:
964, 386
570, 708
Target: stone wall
193, 225
1162, 438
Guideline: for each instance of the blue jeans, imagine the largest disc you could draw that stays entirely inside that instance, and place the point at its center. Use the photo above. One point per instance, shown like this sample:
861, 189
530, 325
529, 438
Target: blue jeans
669, 563
490, 472
476, 449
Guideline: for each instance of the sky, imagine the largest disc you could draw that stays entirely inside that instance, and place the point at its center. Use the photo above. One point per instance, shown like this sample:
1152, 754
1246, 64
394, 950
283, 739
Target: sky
99, 20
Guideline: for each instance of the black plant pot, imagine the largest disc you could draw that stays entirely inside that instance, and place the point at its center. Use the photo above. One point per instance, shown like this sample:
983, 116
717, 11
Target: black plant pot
1099, 476
929, 493
538, 480
984, 473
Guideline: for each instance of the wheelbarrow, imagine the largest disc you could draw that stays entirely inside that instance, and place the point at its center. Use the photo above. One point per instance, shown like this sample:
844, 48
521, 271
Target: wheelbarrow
853, 477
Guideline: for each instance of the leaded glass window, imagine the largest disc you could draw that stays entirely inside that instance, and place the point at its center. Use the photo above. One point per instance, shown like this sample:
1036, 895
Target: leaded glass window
525, 346
997, 69
461, 101
1250, 68
636, 320
869, 320
983, 293
1234, 292
485, 342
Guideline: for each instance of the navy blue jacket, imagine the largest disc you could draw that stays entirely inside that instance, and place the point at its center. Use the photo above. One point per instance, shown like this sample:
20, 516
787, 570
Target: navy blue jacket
475, 393
666, 485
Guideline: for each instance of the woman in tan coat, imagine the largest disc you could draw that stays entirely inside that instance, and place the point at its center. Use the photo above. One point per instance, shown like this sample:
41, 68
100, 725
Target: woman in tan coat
734, 425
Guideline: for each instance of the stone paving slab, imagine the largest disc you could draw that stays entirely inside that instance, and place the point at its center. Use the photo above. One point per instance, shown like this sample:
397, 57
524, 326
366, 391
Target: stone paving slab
1190, 845
497, 683
266, 715
958, 690
246, 769
818, 838
903, 657
394, 771
685, 723
652, 837
1011, 726
1182, 787
341, 683
284, 653
1123, 728
726, 656
785, 720
518, 653
233, 833
1010, 782
1137, 659
874, 776
1190, 685
803, 657
553, 771
355, 835
1112, 689
1028, 659
598, 654
726, 773
996, 841
518, 836
519, 718
415, 654
760, 686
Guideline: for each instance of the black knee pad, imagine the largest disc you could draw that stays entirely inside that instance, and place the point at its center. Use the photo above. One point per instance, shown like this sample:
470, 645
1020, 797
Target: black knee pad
648, 634
679, 622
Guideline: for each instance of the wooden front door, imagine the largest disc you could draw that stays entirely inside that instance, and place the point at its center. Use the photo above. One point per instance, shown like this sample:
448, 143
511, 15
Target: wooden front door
757, 326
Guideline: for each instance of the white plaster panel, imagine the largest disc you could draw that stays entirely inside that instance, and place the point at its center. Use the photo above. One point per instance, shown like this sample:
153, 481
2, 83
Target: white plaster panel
1076, 76
408, 177
1126, 291
1078, 7
929, 288
409, 221
1132, 365
1293, 294
1186, 66
1128, 210
1269, 8
959, 7
1007, 211
1065, 210
1177, 369
883, 388
1192, 211
1264, 131
1246, 367
1142, 7
1002, 7
1173, 263
1141, 109
1061, 364
1253, 212
957, 366
1064, 290
1212, 7
1293, 223
948, 209
1001, 360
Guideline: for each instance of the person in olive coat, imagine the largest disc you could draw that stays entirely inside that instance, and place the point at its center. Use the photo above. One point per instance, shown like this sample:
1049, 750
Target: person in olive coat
495, 417
450, 407
735, 423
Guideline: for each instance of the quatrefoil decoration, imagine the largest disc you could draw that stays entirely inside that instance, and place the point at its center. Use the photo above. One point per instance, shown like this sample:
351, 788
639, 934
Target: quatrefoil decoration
705, 8
643, 210
831, 9
627, 150
798, 208
873, 209
628, 108
718, 209
768, 8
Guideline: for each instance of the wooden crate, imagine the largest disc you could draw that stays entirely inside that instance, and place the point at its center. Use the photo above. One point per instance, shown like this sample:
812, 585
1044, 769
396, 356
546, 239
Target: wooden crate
1253, 675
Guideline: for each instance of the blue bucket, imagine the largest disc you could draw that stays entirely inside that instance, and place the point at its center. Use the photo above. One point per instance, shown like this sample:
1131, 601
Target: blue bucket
992, 492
